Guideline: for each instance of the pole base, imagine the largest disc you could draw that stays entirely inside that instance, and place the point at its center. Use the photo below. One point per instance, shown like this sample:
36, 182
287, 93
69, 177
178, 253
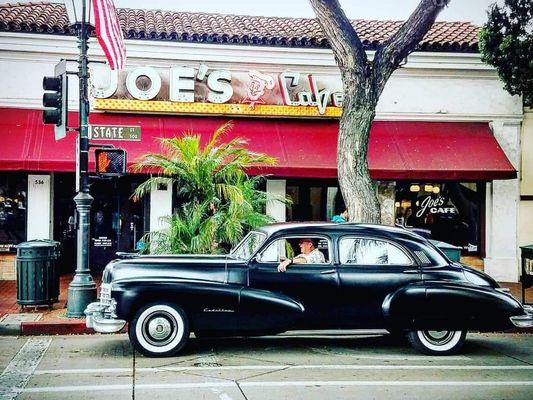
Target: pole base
79, 297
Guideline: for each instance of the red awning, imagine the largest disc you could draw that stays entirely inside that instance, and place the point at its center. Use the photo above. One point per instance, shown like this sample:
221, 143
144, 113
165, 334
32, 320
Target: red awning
304, 148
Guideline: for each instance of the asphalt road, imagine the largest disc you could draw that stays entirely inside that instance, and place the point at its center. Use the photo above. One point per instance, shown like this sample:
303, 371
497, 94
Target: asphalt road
330, 367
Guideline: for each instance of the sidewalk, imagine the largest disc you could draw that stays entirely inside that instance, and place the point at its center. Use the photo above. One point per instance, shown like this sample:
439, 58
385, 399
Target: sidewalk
42, 321
38, 320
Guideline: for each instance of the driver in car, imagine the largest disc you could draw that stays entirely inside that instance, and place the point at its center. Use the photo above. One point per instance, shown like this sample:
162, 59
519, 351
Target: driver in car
310, 255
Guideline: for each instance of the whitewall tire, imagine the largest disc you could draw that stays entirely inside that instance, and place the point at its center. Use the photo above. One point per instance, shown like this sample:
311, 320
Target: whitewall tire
437, 342
159, 330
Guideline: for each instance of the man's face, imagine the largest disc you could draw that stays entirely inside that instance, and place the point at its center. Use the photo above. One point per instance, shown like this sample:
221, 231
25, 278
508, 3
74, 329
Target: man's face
306, 246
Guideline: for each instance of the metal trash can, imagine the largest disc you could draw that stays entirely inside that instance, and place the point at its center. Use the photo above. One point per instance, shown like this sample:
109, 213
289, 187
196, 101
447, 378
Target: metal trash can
451, 251
37, 272
526, 278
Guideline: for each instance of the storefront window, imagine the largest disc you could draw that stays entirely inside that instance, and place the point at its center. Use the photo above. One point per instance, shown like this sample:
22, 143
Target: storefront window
13, 205
449, 212
313, 199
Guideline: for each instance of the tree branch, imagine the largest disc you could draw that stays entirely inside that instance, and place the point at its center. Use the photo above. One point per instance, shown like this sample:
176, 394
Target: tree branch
342, 37
395, 49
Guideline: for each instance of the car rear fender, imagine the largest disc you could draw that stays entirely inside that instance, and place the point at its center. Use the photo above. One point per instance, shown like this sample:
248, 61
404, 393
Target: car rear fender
399, 306
481, 304
439, 305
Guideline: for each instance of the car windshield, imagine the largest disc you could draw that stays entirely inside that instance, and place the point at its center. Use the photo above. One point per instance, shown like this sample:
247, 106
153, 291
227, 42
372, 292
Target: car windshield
248, 245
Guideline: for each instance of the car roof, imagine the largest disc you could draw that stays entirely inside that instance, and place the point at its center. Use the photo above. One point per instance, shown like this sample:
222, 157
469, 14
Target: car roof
341, 228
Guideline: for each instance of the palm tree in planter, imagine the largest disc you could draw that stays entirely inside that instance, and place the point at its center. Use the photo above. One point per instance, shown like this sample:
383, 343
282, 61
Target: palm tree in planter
218, 201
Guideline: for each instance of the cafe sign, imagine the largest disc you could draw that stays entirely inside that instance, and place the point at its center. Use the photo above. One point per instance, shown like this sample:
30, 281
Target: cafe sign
434, 205
205, 90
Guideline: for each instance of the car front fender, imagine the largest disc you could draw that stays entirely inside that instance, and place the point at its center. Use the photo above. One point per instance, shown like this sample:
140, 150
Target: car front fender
202, 296
193, 296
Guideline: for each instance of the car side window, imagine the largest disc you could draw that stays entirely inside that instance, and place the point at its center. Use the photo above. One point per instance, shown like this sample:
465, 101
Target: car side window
276, 251
289, 247
364, 251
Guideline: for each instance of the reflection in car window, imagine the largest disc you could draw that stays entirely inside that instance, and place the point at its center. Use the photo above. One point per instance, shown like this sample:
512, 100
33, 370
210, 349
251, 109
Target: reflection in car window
363, 251
277, 251
248, 245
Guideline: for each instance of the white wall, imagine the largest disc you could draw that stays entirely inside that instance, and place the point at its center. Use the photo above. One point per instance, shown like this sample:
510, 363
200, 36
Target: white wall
444, 86
276, 209
40, 207
525, 224
502, 259
160, 206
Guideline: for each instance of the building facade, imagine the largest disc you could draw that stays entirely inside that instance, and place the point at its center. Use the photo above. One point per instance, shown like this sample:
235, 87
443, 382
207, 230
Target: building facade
445, 146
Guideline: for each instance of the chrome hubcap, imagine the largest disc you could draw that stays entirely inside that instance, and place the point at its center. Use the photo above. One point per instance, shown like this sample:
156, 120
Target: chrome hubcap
438, 335
438, 338
159, 328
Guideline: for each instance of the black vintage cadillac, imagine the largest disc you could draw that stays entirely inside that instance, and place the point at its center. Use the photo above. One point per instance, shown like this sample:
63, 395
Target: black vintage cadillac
361, 276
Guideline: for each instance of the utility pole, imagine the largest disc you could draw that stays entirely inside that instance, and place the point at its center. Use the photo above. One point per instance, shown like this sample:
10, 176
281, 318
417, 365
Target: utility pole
82, 289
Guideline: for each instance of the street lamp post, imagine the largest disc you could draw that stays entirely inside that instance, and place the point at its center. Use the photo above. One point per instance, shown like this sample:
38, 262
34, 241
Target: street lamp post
82, 289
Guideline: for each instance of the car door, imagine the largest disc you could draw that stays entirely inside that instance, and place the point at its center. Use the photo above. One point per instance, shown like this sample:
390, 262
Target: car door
313, 285
369, 270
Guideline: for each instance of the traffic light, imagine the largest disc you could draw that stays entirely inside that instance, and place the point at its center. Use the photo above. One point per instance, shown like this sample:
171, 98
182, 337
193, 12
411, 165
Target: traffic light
55, 101
110, 162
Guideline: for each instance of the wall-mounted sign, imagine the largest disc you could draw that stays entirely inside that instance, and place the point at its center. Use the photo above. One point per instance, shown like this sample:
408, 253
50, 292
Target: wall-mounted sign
434, 205
102, 241
115, 132
204, 90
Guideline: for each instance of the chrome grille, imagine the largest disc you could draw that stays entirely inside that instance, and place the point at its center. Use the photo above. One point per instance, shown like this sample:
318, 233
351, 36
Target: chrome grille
105, 294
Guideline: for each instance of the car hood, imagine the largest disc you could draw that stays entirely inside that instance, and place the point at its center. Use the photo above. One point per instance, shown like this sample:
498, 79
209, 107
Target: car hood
184, 266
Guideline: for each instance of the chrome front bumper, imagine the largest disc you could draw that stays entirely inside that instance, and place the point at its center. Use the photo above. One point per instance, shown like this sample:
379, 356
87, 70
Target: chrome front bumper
524, 320
99, 319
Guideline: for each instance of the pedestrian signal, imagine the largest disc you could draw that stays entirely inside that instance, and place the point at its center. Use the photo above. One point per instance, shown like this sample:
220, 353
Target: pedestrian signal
110, 162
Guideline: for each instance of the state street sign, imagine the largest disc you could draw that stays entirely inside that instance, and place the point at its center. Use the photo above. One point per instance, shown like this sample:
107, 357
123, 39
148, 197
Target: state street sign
115, 132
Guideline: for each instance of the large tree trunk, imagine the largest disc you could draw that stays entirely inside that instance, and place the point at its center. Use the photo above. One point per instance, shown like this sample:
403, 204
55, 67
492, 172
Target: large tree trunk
358, 190
363, 82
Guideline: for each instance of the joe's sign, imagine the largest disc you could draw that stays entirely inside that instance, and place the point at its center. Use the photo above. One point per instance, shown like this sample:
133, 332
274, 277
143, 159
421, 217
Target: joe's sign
217, 86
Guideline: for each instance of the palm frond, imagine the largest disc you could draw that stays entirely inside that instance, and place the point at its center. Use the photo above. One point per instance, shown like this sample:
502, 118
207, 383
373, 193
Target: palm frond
218, 201
220, 131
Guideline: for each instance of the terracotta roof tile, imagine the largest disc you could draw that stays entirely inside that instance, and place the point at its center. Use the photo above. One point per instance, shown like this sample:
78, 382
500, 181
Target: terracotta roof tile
233, 29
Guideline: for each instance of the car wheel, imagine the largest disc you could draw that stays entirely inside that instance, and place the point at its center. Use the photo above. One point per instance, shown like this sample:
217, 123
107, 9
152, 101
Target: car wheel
159, 330
439, 343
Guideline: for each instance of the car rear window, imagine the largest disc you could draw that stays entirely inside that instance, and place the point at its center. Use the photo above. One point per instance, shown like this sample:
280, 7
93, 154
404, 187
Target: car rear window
366, 251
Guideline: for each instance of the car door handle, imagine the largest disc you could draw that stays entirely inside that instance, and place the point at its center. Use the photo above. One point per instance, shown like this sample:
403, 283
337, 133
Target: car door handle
329, 271
411, 271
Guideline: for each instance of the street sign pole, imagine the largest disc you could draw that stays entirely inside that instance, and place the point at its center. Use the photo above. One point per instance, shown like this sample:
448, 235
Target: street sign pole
82, 289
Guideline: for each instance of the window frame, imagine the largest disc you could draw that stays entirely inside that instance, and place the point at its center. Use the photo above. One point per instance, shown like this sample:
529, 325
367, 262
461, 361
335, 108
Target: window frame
391, 242
295, 236
241, 243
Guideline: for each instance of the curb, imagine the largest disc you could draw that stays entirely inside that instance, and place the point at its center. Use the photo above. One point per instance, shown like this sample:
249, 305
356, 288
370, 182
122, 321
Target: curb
77, 327
40, 328
61, 327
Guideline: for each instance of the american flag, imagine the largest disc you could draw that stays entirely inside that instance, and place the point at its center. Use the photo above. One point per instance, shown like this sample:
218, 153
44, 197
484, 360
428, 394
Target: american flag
109, 34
